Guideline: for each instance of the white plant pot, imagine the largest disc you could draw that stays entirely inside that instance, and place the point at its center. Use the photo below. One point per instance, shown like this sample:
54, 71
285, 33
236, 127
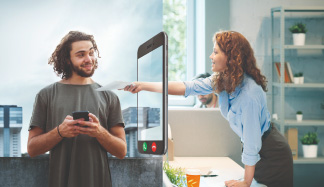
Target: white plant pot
299, 117
310, 151
299, 38
301, 80
275, 116
296, 80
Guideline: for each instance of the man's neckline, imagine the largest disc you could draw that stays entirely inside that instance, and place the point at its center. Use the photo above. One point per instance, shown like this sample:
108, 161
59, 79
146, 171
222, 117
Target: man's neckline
76, 84
68, 82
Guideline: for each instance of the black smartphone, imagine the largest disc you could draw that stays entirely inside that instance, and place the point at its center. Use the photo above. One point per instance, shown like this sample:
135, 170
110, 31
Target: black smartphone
80, 114
152, 108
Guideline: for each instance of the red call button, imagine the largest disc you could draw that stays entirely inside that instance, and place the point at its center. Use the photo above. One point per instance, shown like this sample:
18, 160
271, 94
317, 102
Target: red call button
153, 147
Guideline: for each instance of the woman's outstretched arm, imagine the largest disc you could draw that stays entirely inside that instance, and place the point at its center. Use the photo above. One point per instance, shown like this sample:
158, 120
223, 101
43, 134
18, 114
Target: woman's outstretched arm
174, 87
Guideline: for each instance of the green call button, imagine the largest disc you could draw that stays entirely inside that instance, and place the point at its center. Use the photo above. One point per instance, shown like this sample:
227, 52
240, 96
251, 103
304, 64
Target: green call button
144, 146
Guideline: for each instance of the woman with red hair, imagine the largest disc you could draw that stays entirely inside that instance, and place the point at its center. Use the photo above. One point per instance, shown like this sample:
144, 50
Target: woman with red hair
241, 88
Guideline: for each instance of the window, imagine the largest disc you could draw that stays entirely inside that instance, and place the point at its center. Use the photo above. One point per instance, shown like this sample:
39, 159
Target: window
176, 24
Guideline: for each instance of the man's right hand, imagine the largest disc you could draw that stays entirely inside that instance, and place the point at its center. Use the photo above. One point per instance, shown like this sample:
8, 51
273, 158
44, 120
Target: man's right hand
68, 127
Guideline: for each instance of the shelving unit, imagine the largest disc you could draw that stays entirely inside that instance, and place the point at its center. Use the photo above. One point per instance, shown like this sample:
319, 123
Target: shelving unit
281, 85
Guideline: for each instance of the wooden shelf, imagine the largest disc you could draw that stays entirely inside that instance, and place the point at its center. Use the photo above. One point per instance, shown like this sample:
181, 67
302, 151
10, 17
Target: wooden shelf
305, 85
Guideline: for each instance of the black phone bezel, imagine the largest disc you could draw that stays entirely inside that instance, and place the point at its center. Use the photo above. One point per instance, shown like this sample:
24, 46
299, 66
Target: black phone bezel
158, 40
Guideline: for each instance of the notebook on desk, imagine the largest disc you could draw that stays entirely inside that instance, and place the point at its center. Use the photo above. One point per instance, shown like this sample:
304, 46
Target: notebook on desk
198, 132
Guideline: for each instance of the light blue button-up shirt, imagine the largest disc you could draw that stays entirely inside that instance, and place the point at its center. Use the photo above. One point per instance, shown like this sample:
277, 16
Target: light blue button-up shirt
245, 109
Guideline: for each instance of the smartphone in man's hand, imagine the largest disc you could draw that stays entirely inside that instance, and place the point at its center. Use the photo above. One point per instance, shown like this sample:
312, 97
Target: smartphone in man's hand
80, 114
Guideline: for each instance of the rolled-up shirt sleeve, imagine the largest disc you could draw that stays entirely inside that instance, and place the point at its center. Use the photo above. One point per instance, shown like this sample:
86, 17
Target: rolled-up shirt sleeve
251, 137
202, 86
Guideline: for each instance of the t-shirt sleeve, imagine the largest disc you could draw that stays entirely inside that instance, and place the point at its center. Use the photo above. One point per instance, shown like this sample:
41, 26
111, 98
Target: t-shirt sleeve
38, 118
115, 114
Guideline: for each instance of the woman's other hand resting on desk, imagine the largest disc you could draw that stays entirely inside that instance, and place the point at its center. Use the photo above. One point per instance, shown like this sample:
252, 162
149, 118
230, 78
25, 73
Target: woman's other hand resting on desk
248, 177
236, 183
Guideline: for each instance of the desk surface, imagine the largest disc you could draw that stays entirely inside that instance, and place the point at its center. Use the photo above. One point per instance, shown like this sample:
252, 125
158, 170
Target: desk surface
226, 169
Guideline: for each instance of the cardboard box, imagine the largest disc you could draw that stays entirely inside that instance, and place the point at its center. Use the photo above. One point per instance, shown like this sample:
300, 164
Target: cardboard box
292, 137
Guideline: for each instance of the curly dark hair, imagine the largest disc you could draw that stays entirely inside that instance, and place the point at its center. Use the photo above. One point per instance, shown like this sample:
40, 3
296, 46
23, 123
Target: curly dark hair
61, 56
240, 60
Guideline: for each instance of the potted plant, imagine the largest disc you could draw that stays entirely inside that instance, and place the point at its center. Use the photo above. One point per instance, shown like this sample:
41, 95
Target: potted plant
175, 175
310, 144
299, 32
299, 115
296, 78
299, 78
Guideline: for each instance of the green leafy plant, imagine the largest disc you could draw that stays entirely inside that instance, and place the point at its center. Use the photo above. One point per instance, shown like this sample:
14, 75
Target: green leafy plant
300, 74
298, 28
310, 138
175, 175
299, 112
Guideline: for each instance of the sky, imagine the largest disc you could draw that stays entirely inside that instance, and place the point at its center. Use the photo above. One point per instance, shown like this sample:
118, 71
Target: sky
30, 32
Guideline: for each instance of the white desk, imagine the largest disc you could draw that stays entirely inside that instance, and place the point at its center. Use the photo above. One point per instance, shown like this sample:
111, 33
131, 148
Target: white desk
226, 167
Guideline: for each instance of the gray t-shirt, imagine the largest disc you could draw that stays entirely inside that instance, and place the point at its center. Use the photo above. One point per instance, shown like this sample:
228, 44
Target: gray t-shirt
80, 161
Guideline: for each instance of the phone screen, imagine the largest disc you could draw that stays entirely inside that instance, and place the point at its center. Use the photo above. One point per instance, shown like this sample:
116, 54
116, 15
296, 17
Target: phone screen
152, 106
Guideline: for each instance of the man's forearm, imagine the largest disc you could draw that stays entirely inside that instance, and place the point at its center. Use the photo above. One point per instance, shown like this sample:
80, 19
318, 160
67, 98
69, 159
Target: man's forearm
112, 144
42, 143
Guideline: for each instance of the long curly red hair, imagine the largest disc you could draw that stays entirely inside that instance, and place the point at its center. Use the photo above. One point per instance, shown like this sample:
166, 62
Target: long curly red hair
240, 60
60, 58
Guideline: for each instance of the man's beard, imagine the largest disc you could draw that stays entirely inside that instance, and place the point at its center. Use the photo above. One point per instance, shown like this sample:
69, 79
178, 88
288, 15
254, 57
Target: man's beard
81, 72
208, 100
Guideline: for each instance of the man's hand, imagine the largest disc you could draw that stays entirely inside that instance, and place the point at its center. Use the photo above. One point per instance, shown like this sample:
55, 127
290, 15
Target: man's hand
91, 127
236, 183
113, 141
39, 142
68, 129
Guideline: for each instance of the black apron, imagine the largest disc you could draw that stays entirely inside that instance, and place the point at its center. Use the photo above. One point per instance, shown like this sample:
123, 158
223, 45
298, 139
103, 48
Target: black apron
275, 169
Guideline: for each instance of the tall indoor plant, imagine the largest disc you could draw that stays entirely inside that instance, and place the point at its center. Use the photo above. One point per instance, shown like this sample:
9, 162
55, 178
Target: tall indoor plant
298, 31
310, 144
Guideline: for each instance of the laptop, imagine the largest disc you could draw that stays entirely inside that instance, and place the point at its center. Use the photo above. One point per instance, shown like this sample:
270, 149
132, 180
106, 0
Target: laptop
200, 132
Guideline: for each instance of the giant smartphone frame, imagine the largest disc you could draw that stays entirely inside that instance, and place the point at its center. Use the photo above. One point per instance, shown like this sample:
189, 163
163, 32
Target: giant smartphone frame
146, 146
